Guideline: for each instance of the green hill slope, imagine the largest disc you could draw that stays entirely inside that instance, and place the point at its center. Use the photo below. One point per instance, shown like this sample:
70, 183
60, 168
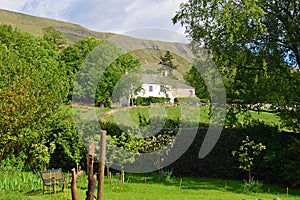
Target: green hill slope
35, 25
149, 54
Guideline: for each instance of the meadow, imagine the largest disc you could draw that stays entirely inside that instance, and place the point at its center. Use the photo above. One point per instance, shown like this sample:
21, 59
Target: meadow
177, 112
16, 185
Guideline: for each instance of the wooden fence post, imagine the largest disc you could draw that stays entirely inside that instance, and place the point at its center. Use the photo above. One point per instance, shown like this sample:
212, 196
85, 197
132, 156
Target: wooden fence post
75, 175
122, 175
102, 165
90, 172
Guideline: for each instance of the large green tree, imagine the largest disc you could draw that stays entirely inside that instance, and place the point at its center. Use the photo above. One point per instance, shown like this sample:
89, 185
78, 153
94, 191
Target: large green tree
195, 79
73, 56
257, 41
33, 88
112, 75
99, 72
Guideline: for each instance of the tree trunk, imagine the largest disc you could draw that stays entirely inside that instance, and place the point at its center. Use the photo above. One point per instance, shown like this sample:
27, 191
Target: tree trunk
107, 172
102, 165
250, 177
160, 174
75, 175
90, 171
159, 169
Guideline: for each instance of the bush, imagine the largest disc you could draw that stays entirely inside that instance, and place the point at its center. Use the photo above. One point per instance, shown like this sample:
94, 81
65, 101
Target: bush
146, 101
68, 146
281, 156
253, 186
187, 100
279, 163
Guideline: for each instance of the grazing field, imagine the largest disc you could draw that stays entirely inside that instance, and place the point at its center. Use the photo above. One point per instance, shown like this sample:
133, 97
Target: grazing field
177, 113
22, 186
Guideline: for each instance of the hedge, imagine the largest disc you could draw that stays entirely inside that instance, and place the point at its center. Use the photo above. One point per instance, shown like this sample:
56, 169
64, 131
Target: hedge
146, 101
218, 163
278, 164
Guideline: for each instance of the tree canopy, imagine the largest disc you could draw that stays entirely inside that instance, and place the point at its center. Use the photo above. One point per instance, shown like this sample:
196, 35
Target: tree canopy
33, 87
255, 45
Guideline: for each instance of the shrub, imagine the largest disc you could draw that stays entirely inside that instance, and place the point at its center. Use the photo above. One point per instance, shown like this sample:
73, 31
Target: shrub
187, 100
253, 186
146, 101
279, 163
247, 154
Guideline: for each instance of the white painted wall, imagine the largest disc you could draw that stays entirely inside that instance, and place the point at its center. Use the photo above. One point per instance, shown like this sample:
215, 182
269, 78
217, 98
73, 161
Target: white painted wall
156, 91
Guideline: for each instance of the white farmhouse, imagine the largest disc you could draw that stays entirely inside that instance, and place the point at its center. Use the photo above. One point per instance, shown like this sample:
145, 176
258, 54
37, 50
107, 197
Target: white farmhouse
157, 85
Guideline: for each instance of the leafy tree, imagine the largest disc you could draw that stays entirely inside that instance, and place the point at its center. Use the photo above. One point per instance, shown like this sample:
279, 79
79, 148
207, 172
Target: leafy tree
254, 44
160, 146
166, 60
195, 79
101, 70
112, 75
250, 28
68, 149
247, 152
132, 143
127, 88
166, 63
72, 57
128, 144
33, 88
53, 36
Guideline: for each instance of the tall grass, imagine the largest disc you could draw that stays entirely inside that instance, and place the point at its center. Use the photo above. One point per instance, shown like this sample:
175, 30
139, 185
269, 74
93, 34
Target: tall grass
13, 179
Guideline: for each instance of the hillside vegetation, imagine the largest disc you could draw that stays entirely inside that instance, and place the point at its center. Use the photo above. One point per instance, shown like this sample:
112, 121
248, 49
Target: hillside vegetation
35, 25
74, 33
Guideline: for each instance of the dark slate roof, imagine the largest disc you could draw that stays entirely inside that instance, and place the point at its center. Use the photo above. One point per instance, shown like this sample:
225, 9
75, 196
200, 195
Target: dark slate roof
160, 79
151, 78
183, 86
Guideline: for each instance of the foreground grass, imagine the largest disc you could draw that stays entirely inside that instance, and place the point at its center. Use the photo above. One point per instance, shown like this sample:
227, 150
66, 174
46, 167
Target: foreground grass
149, 187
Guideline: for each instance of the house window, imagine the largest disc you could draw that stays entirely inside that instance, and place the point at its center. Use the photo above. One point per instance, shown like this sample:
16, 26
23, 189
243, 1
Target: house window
150, 88
191, 93
162, 88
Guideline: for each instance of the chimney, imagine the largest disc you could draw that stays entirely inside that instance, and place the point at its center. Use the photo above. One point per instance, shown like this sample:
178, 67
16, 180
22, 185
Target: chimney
165, 73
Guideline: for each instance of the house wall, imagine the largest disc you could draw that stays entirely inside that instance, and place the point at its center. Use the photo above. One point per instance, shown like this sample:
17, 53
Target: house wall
180, 92
156, 91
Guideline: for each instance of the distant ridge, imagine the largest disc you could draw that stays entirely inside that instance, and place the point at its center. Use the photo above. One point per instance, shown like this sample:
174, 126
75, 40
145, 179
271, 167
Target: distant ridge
73, 32
35, 25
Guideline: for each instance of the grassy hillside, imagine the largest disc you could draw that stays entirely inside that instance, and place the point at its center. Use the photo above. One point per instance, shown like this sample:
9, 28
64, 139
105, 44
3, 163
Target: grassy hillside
73, 32
35, 25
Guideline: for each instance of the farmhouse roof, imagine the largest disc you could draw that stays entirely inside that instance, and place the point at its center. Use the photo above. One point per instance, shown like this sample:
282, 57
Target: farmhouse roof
183, 86
163, 80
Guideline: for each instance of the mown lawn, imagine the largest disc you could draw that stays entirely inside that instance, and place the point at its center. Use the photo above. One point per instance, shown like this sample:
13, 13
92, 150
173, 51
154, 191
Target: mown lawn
149, 187
181, 113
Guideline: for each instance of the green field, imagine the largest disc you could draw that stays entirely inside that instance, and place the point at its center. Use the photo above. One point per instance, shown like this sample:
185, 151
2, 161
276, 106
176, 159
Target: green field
141, 186
178, 112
